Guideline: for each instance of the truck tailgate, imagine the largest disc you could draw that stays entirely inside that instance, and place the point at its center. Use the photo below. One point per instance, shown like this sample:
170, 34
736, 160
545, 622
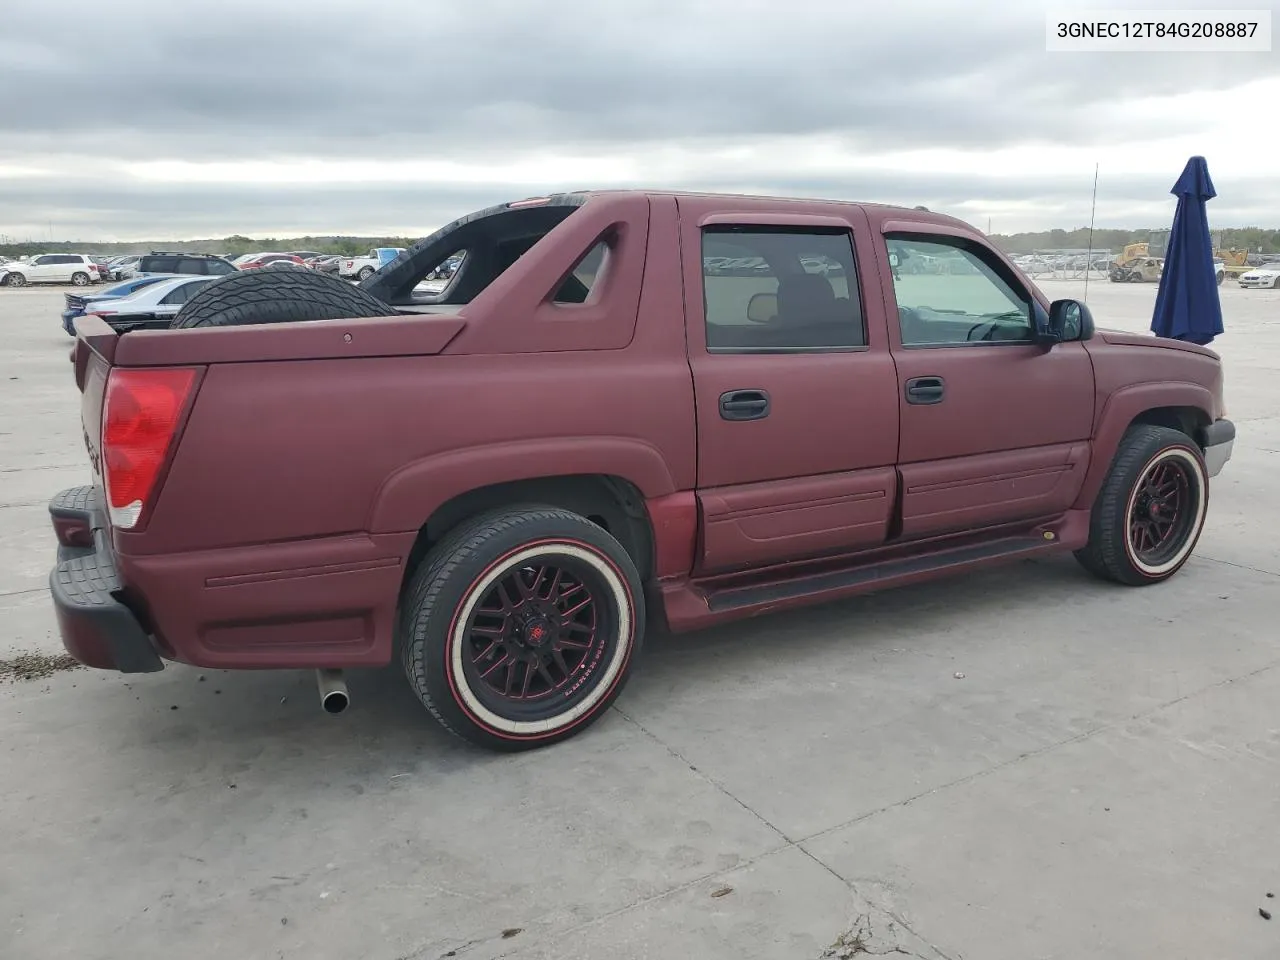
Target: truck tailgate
398, 336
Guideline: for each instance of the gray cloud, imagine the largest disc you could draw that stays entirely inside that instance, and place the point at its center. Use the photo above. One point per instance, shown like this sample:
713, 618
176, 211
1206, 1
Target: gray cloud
402, 79
88, 211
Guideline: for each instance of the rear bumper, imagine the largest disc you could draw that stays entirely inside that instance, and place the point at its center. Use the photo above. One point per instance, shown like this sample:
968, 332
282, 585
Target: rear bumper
97, 629
1219, 439
328, 602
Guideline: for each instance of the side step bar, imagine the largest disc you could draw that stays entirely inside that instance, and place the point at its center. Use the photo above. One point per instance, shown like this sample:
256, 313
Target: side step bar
886, 573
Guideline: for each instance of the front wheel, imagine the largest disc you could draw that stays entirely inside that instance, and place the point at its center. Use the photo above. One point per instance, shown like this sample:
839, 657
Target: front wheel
519, 629
1275, 284
15, 280
1151, 509
366, 273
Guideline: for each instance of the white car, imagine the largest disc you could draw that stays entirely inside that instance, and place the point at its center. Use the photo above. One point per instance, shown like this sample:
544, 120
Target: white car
156, 301
1267, 275
74, 268
361, 268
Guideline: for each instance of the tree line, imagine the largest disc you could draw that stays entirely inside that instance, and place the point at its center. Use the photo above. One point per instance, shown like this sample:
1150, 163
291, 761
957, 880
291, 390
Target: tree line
232, 246
1253, 239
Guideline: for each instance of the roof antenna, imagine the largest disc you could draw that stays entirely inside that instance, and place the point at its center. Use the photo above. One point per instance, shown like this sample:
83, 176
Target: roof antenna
1088, 263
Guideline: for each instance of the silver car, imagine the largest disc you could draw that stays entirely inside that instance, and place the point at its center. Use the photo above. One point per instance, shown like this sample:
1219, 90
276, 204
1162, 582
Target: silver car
156, 301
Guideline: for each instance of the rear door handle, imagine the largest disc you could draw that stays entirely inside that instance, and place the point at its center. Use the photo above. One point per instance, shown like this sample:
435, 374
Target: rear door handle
925, 390
744, 405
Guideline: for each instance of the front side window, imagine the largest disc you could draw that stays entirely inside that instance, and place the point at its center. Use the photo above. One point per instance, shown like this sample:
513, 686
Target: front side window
218, 268
780, 290
159, 265
191, 266
950, 295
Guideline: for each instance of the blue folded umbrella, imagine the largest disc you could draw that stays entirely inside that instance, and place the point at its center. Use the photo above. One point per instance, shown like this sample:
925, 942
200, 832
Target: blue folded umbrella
1187, 304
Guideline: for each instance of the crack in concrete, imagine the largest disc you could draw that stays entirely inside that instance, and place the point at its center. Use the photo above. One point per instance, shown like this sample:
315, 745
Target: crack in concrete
788, 842
959, 781
1238, 566
644, 901
19, 593
1041, 751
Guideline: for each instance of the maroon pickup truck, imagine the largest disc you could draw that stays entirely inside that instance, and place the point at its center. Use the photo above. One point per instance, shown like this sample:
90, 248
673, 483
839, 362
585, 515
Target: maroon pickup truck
622, 408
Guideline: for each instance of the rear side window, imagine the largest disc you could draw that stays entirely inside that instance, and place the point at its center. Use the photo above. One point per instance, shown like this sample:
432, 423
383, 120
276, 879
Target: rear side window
582, 280
780, 290
158, 265
183, 293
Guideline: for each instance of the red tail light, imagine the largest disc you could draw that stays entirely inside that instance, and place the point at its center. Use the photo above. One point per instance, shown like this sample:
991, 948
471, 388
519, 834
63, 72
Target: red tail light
139, 419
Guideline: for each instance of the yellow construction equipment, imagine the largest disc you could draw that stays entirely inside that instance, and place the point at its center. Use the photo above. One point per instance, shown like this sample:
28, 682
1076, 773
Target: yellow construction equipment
1125, 266
1235, 262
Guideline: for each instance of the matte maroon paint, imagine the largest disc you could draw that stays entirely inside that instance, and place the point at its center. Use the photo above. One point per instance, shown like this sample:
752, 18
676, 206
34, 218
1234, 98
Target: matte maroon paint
314, 454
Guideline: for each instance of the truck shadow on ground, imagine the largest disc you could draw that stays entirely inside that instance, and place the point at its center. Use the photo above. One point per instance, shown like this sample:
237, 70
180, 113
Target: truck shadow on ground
241, 715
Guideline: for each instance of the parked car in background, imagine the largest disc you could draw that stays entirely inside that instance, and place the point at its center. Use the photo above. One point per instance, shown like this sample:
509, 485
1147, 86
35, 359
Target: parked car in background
1137, 270
305, 255
362, 268
198, 264
325, 264
450, 266
74, 268
120, 266
259, 260
1265, 275
153, 302
78, 303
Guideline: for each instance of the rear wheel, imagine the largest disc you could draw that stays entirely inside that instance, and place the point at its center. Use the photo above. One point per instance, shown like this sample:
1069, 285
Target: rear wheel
519, 629
276, 296
1151, 509
80, 279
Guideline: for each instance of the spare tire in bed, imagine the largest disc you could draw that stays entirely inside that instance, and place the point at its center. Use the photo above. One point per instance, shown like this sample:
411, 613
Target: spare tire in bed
276, 296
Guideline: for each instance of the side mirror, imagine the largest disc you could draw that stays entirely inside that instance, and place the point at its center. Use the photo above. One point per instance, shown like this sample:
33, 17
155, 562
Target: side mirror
1069, 320
762, 307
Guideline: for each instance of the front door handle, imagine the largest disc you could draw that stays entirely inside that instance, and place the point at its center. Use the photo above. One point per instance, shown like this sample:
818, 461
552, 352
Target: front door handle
744, 405
924, 390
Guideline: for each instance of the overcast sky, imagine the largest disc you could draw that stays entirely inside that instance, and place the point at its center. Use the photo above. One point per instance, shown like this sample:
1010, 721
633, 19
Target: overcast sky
168, 120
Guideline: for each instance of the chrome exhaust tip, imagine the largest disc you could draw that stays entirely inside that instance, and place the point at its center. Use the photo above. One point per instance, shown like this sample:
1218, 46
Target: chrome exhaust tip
334, 697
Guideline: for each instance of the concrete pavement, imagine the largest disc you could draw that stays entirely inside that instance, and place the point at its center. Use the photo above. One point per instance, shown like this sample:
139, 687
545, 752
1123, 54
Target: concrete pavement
1103, 781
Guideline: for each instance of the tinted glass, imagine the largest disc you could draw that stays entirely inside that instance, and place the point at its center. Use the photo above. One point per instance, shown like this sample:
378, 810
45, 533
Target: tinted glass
771, 290
191, 266
219, 268
586, 273
949, 293
158, 265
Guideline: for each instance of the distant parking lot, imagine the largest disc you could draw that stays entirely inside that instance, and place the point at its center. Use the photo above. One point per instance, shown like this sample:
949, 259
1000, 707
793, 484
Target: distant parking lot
1020, 763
